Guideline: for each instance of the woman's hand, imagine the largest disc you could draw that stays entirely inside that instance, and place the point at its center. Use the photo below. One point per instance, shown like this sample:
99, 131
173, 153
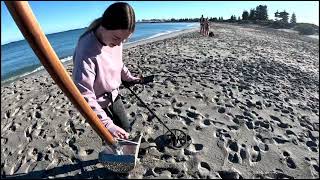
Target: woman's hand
140, 80
118, 132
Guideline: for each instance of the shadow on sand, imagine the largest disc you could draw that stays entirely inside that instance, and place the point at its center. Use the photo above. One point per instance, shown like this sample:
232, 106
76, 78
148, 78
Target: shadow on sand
101, 173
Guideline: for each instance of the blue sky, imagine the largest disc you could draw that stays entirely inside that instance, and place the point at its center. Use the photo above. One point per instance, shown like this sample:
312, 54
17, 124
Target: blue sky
57, 16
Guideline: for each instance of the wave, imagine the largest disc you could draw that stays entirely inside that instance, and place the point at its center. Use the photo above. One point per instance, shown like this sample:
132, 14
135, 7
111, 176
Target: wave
162, 33
13, 78
154, 36
193, 25
65, 59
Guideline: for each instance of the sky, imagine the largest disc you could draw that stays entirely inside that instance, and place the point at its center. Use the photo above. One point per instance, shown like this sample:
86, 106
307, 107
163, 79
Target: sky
57, 16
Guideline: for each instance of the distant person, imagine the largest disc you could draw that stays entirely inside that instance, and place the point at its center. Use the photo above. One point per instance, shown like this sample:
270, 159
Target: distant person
206, 27
99, 69
202, 25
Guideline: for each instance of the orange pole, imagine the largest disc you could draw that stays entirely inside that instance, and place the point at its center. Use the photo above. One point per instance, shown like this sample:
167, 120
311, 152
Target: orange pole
31, 30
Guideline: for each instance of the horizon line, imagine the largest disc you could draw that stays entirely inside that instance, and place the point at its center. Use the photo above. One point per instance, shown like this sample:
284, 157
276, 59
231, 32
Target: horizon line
140, 21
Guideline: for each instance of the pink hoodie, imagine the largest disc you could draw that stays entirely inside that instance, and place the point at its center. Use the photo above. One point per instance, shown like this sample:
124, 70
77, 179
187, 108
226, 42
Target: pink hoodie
99, 69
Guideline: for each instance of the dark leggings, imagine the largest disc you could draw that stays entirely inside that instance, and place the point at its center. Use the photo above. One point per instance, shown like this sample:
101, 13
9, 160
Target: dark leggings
118, 114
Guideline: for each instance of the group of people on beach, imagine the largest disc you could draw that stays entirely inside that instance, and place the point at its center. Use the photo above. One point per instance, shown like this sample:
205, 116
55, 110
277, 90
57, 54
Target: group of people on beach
204, 26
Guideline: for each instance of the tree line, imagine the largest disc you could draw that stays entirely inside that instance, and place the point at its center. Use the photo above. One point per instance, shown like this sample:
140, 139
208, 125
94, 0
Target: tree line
260, 13
257, 15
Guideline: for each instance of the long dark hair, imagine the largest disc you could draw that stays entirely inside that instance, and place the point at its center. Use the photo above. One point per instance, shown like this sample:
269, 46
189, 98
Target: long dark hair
119, 15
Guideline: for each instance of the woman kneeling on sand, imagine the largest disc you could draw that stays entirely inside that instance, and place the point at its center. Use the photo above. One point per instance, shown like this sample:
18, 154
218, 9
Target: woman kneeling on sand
99, 69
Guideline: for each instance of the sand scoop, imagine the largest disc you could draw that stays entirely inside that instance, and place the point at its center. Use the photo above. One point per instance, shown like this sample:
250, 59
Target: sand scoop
123, 158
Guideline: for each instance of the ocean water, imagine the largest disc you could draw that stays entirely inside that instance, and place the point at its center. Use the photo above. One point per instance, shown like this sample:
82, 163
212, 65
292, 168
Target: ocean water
18, 59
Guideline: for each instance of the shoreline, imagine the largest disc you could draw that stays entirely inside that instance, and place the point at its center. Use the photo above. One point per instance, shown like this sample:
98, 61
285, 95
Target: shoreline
84, 28
125, 46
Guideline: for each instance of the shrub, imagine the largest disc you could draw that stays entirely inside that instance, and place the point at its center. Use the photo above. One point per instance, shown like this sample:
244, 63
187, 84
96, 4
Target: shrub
280, 25
244, 22
264, 22
305, 29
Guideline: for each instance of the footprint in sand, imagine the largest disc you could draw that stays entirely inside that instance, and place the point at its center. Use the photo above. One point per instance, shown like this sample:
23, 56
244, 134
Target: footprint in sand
230, 175
280, 140
186, 120
28, 134
263, 146
244, 154
222, 134
172, 115
177, 110
272, 175
312, 145
263, 124
11, 113
169, 172
233, 145
233, 156
13, 127
70, 143
221, 110
314, 165
193, 149
289, 132
194, 114
207, 122
289, 160
204, 169
249, 124
255, 154
85, 152
232, 127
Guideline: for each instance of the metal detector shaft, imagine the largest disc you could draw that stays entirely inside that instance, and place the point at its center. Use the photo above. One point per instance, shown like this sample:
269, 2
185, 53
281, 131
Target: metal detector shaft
150, 110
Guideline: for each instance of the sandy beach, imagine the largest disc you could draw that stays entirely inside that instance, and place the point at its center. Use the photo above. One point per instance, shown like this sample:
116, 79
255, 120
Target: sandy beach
248, 98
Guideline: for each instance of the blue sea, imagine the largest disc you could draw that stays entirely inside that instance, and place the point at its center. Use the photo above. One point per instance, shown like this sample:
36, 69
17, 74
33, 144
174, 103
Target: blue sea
18, 59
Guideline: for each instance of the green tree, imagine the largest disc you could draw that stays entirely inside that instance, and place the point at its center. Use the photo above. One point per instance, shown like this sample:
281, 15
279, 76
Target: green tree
245, 15
234, 17
214, 19
284, 16
261, 12
252, 15
281, 20
293, 20
276, 14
